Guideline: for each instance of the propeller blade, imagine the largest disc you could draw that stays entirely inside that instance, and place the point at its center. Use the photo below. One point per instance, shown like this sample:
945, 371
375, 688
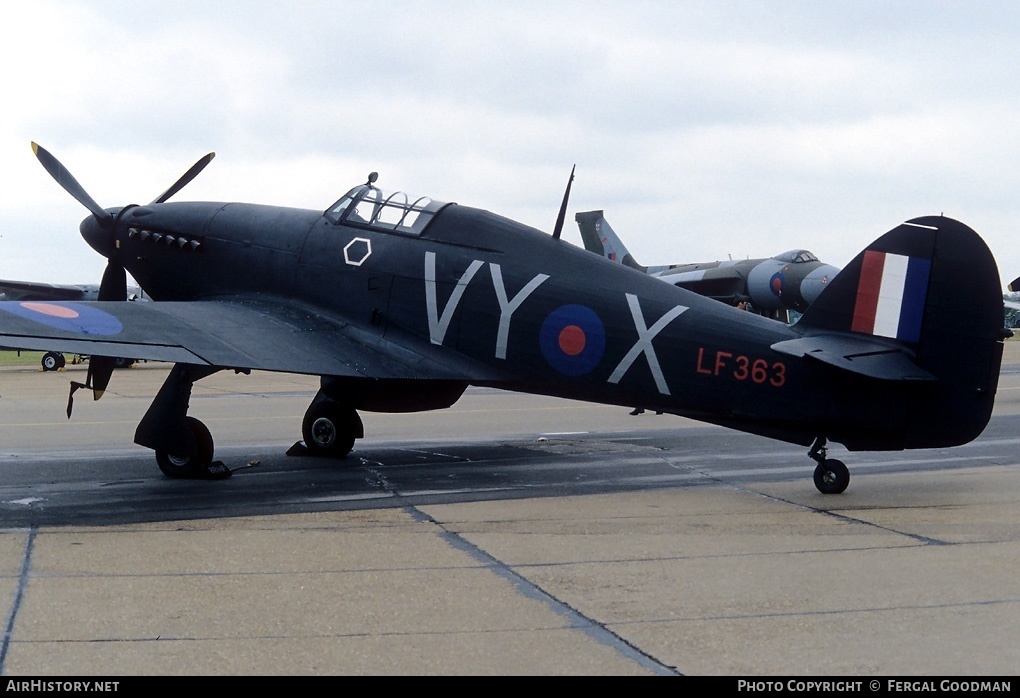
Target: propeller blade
185, 178
66, 180
112, 288
114, 284
98, 377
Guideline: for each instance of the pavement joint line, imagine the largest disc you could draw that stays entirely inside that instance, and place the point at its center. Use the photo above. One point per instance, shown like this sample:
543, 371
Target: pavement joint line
725, 556
924, 540
594, 630
26, 562
597, 631
719, 479
824, 612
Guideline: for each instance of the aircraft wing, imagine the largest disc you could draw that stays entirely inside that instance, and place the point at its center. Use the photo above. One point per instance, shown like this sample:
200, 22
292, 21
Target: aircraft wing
14, 290
726, 284
238, 333
856, 354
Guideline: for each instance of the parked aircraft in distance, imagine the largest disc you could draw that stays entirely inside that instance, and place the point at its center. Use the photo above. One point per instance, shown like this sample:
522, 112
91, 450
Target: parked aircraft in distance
1014, 287
772, 287
39, 291
400, 303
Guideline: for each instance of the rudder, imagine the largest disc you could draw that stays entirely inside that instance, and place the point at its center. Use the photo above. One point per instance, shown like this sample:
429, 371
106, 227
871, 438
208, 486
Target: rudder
599, 237
930, 286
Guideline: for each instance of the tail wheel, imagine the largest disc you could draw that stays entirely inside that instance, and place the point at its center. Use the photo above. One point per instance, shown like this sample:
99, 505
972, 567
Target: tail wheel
832, 476
329, 429
188, 466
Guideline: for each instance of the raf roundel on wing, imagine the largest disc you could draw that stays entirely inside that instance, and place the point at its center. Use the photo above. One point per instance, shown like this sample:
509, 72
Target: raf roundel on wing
69, 317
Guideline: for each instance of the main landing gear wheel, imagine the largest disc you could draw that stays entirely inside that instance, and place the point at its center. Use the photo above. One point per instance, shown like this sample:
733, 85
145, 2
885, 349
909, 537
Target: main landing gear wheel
52, 360
329, 429
188, 466
832, 476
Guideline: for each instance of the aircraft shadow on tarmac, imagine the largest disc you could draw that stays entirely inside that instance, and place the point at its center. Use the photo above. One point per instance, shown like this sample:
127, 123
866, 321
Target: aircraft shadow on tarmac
120, 489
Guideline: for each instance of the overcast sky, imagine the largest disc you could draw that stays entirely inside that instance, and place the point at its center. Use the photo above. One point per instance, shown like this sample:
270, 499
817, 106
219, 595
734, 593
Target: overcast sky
705, 130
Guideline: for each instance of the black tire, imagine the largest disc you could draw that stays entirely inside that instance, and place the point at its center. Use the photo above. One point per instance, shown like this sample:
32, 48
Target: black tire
329, 429
123, 363
52, 360
188, 466
832, 476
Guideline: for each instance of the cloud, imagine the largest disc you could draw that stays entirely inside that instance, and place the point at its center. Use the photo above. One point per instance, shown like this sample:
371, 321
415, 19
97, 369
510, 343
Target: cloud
751, 128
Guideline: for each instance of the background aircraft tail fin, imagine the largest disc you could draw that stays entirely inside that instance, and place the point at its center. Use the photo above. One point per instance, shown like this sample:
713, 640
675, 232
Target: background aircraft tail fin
931, 288
601, 239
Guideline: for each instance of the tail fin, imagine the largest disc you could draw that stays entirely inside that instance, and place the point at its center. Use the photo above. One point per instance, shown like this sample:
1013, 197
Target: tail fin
600, 238
931, 288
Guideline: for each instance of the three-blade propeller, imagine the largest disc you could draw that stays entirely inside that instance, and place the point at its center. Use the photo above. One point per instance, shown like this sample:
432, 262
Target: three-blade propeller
114, 284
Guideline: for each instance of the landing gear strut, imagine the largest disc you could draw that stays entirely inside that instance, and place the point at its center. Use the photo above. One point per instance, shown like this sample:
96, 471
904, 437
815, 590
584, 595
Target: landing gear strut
831, 475
183, 444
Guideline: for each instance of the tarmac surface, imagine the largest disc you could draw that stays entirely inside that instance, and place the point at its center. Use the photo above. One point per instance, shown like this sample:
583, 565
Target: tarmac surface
510, 534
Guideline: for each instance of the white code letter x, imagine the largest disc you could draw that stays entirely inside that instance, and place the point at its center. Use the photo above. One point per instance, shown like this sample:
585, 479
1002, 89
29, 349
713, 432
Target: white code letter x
644, 343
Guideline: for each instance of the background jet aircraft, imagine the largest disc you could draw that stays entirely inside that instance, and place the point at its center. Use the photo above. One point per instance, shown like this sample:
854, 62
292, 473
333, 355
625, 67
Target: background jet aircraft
773, 287
38, 291
1014, 287
400, 303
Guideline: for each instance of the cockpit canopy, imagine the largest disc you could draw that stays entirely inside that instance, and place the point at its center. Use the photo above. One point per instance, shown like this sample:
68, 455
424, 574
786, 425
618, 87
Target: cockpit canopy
796, 257
369, 207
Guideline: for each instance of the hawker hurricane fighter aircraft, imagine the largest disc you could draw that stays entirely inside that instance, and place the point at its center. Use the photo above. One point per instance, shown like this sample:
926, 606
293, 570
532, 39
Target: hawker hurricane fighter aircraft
772, 287
400, 303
